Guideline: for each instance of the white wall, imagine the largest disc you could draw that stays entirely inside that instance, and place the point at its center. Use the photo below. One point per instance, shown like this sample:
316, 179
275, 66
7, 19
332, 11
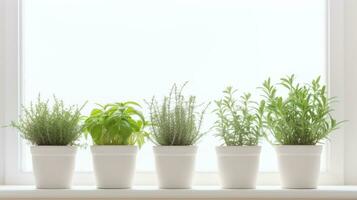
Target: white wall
350, 50
2, 85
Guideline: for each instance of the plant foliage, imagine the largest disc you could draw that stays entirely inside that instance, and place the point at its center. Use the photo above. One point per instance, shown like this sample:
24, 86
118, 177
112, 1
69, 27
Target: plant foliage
116, 124
239, 122
42, 124
301, 118
176, 121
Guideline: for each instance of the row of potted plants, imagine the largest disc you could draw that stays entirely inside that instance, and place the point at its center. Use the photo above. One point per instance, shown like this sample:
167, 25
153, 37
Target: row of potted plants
295, 123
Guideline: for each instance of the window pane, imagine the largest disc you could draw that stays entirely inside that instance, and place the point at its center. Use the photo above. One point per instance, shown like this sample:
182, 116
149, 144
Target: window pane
117, 50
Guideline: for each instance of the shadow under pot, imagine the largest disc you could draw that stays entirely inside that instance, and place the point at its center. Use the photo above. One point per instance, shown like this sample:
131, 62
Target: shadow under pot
114, 165
175, 166
299, 165
238, 166
53, 166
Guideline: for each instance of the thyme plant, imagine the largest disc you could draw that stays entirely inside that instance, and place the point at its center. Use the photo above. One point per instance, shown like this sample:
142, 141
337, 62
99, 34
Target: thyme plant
239, 122
303, 116
176, 121
42, 124
116, 124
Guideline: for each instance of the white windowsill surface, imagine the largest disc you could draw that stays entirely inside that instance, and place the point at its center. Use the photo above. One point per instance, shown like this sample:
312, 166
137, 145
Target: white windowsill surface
204, 192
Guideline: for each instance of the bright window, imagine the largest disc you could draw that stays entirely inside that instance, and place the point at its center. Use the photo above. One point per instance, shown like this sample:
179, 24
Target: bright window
117, 50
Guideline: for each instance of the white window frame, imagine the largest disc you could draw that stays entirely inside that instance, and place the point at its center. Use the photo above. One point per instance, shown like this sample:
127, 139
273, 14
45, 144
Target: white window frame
10, 98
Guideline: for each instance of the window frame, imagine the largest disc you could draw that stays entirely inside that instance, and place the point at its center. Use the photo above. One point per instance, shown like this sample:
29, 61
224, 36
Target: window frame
10, 98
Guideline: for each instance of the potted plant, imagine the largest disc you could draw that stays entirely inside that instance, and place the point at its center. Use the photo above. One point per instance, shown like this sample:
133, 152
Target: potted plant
298, 123
52, 131
115, 130
239, 125
175, 131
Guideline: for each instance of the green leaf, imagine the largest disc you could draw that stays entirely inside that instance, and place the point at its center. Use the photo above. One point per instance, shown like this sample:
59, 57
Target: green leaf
302, 117
113, 124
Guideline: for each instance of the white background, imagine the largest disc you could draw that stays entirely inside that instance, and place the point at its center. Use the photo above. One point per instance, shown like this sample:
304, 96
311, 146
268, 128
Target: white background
350, 50
130, 50
342, 63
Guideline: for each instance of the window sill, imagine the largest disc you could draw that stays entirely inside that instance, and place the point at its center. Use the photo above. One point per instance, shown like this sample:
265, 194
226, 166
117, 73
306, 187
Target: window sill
204, 192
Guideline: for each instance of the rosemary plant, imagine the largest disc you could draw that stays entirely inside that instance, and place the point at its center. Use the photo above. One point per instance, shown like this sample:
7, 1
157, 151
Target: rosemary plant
42, 124
176, 121
239, 123
301, 118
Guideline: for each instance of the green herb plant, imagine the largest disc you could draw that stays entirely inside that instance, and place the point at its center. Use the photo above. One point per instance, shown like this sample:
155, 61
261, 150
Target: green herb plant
56, 125
116, 124
303, 116
176, 121
239, 121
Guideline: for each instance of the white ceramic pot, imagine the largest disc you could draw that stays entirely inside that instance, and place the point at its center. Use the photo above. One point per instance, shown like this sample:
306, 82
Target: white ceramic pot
53, 166
299, 165
175, 166
114, 165
238, 166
